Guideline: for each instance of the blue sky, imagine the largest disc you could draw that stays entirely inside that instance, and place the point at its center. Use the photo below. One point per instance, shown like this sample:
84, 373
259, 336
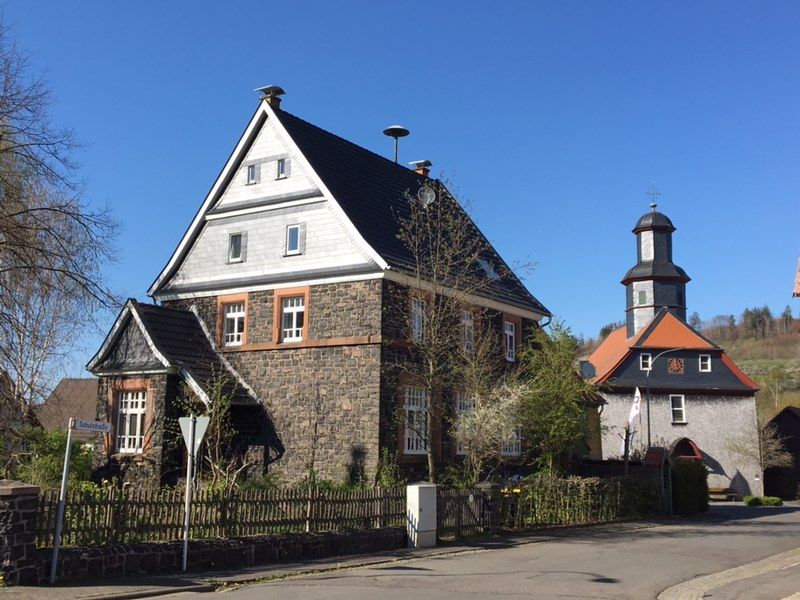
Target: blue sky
552, 118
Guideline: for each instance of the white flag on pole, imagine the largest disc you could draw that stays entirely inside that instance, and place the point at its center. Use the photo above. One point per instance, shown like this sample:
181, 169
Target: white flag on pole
635, 407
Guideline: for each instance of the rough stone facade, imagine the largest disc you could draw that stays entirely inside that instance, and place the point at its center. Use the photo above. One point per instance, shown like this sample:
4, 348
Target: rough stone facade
76, 564
19, 505
159, 462
335, 388
713, 423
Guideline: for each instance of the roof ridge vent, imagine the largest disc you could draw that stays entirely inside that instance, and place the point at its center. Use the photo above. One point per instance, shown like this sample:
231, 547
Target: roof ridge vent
272, 94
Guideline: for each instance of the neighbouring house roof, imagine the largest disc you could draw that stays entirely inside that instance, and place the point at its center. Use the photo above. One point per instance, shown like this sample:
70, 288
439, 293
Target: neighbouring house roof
665, 331
180, 343
72, 397
371, 192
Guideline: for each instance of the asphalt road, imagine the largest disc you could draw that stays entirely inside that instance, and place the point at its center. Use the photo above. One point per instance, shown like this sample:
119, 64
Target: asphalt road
721, 558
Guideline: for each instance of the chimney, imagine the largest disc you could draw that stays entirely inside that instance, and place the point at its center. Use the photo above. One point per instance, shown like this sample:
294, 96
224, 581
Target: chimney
422, 167
272, 94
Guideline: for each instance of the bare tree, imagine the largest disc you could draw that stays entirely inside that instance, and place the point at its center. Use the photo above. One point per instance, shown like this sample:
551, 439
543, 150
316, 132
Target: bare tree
52, 244
763, 448
452, 263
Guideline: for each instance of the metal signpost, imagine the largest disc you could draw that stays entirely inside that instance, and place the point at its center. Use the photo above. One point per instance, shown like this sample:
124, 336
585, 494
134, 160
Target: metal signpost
193, 429
74, 425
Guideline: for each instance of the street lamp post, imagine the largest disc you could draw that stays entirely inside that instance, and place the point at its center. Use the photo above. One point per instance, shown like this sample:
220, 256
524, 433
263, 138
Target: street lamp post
647, 377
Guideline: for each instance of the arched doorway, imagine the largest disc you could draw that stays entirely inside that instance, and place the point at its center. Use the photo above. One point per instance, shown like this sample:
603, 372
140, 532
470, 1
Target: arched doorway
686, 449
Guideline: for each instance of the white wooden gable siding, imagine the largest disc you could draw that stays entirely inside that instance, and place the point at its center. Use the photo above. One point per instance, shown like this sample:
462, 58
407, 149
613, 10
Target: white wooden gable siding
328, 243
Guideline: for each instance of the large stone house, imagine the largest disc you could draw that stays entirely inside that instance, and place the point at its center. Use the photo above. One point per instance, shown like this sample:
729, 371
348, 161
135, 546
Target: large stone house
289, 281
695, 400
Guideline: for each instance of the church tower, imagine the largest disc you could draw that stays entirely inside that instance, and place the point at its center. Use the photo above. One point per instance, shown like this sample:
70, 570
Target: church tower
654, 282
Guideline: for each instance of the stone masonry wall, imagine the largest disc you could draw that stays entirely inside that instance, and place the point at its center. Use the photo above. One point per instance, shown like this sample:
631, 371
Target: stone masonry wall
19, 504
76, 564
153, 466
713, 422
335, 387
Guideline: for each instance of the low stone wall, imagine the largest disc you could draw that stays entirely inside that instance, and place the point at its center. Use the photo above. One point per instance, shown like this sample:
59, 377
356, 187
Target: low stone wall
76, 564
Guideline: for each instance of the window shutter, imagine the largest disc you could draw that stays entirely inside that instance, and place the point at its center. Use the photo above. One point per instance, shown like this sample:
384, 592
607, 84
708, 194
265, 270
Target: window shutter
244, 246
302, 238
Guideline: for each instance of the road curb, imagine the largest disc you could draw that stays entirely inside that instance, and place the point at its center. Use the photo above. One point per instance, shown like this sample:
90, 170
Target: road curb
134, 594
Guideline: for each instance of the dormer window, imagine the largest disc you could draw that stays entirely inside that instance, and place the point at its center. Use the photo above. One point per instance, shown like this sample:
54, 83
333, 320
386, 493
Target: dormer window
295, 239
280, 172
253, 174
645, 362
705, 363
236, 247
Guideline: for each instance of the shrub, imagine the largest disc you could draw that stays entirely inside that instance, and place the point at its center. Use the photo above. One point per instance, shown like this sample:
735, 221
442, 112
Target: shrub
762, 501
689, 487
389, 475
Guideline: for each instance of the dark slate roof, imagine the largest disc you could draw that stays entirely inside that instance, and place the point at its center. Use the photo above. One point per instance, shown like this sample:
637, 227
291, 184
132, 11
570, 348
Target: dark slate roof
653, 220
656, 269
371, 189
179, 337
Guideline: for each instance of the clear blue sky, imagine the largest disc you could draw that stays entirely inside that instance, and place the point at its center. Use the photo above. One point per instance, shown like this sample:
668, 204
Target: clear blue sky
552, 118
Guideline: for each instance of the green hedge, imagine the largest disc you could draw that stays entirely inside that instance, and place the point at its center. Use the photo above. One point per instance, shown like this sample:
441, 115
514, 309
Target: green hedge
689, 487
762, 501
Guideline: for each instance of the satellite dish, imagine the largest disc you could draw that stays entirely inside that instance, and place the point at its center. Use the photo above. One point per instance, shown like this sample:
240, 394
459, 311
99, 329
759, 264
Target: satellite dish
426, 195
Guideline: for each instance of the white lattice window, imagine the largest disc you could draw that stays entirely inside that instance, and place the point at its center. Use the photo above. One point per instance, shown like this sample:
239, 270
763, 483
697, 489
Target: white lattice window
418, 310
678, 406
645, 362
233, 332
131, 411
468, 331
513, 445
464, 406
510, 334
416, 421
705, 363
293, 312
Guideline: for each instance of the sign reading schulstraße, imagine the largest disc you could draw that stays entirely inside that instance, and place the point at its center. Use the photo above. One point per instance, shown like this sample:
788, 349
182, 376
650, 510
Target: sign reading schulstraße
96, 426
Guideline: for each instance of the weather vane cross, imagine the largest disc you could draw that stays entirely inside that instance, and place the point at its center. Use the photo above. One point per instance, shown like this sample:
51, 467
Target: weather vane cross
654, 194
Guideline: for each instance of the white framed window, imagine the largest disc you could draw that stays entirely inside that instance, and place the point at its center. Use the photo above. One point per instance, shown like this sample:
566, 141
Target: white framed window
513, 445
253, 174
131, 411
645, 362
416, 421
280, 169
293, 312
705, 363
678, 405
233, 327
464, 405
419, 308
468, 331
294, 239
510, 334
235, 247
487, 268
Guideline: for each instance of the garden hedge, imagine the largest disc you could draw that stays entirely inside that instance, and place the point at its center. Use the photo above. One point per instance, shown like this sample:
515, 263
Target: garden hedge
689, 487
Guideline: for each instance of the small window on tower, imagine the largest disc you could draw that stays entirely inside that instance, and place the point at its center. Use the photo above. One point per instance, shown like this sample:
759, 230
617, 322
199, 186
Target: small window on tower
642, 297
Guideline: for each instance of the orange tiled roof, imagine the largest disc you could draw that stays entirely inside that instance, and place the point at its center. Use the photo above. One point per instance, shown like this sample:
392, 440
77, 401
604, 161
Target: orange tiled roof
670, 332
609, 353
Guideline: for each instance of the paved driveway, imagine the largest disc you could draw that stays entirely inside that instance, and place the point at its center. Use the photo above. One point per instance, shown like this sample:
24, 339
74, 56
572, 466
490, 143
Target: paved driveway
586, 564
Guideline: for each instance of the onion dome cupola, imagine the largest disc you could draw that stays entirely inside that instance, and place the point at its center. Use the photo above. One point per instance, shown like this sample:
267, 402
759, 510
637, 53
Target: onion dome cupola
655, 282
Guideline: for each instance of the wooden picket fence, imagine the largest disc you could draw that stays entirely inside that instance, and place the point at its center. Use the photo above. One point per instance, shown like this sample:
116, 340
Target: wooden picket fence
118, 516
